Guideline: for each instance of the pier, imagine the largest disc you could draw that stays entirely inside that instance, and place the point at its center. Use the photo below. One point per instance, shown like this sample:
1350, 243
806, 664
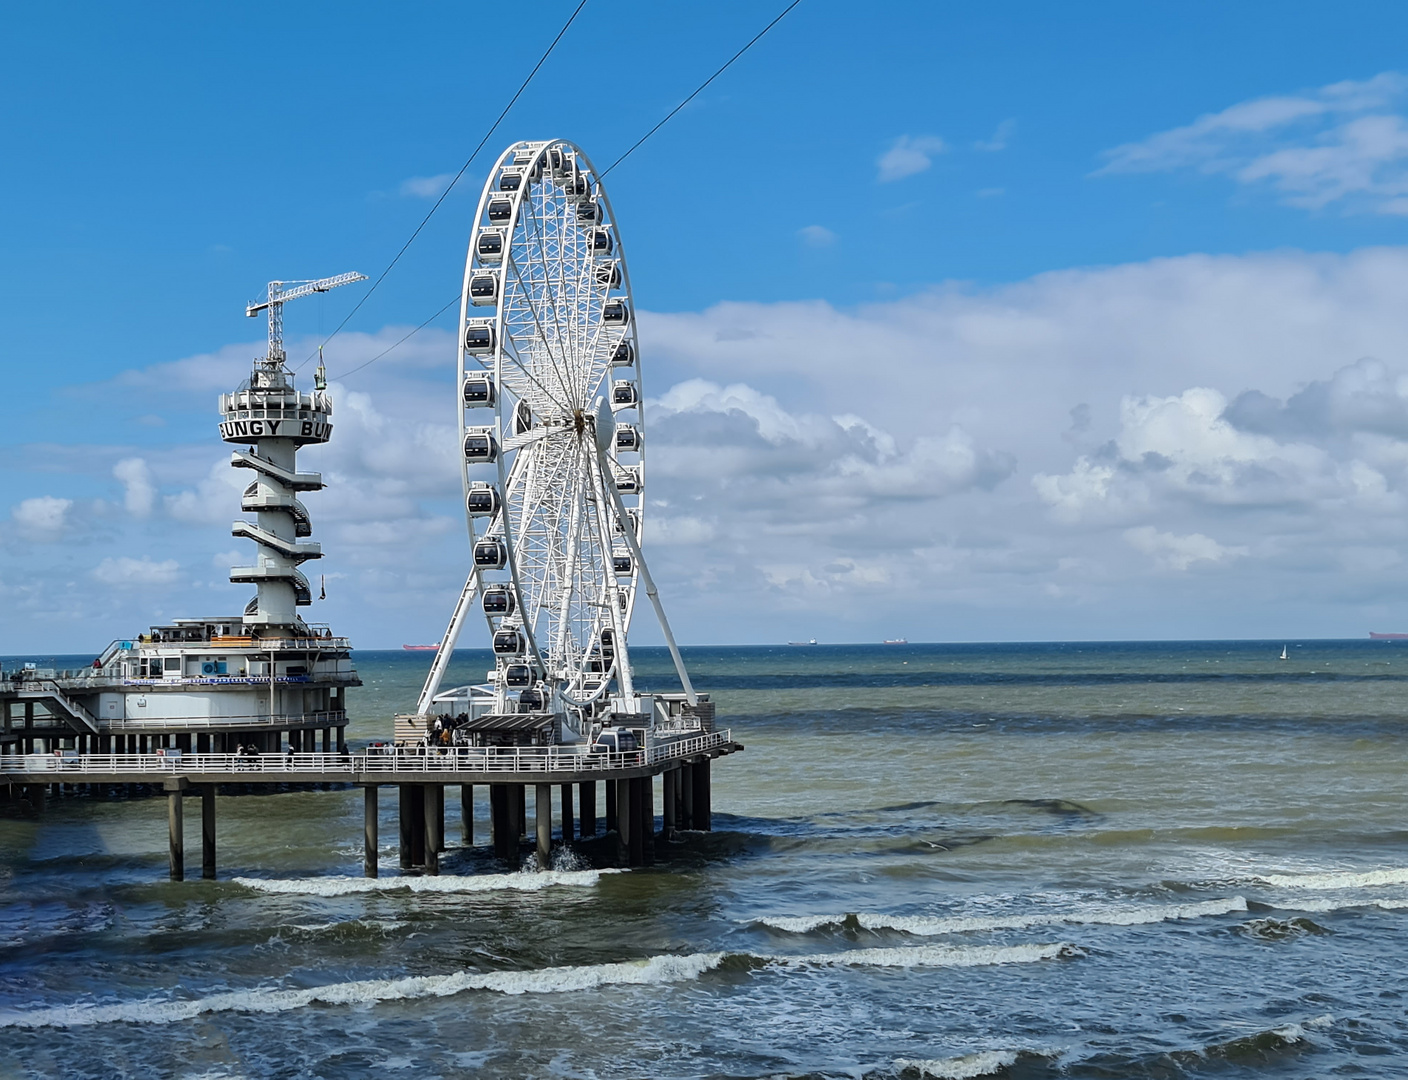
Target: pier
421, 775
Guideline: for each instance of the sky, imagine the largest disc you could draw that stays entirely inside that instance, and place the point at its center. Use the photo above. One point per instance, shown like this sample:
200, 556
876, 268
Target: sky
987, 322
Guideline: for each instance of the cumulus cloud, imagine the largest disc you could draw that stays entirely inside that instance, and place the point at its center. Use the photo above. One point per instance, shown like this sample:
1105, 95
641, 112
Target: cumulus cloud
999, 139
139, 492
908, 155
1345, 143
125, 572
1223, 440
425, 187
1178, 553
817, 236
42, 518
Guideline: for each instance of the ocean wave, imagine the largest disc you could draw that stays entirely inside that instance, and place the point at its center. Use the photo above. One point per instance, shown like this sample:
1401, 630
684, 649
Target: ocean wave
523, 881
966, 1067
667, 968
929, 926
1337, 879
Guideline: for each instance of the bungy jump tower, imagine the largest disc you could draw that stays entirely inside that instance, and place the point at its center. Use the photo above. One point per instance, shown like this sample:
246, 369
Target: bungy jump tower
210, 685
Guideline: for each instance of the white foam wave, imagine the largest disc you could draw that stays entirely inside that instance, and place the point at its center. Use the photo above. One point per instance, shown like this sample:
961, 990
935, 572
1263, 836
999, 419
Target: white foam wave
654, 970
930, 926
1337, 880
935, 956
984, 1063
1317, 906
523, 881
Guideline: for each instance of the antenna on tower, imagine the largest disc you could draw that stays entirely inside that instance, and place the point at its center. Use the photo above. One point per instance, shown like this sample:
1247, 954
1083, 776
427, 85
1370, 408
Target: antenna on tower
280, 292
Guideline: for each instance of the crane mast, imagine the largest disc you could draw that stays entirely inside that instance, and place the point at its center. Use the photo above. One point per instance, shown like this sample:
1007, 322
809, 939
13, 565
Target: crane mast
280, 292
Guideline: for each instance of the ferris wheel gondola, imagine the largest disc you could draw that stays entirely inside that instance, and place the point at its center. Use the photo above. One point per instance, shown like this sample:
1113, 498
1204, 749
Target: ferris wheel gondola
553, 440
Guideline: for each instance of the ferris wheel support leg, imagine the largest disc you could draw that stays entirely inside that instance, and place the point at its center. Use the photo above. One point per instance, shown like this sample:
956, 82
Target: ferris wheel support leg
447, 644
650, 591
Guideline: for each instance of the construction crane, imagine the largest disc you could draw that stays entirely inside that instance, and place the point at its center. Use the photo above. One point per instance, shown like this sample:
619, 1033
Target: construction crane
280, 292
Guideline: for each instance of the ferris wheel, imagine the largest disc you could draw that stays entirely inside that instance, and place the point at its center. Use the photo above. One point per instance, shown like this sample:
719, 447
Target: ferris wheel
552, 440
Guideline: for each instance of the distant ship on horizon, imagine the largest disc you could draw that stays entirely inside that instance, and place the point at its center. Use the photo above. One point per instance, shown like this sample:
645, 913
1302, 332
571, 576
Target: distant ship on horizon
1387, 637
421, 648
811, 642
895, 641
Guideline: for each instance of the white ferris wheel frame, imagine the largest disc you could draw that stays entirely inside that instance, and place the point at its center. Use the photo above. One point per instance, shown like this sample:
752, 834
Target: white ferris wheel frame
551, 351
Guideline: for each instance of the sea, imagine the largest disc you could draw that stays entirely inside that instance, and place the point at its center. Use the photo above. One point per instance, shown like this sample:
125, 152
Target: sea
1156, 859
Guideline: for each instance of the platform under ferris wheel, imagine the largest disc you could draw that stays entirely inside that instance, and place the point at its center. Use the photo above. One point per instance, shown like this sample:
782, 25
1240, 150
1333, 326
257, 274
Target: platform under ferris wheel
552, 445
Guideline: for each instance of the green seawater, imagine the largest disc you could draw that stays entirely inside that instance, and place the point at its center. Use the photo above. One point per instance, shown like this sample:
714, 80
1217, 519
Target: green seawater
1085, 860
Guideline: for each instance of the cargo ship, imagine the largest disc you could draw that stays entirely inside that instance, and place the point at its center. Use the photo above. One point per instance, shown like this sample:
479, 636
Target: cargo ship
1387, 637
421, 648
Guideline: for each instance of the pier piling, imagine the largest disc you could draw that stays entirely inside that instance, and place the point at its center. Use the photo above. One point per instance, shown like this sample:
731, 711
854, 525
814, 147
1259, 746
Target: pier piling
586, 806
567, 813
542, 820
176, 826
467, 814
668, 784
433, 803
369, 824
417, 824
625, 819
207, 831
685, 780
403, 793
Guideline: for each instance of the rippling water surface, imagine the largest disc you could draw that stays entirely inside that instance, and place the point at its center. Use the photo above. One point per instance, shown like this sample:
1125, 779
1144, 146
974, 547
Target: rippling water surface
1127, 860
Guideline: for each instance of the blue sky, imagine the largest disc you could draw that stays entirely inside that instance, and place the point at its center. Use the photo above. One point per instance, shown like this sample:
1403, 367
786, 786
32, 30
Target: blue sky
1030, 233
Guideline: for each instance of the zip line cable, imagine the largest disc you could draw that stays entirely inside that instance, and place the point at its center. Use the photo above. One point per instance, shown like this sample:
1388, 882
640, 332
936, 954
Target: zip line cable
634, 146
453, 300
463, 168
700, 89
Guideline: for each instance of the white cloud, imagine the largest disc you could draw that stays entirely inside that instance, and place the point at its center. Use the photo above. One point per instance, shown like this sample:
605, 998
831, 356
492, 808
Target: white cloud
909, 156
140, 493
961, 463
425, 187
1000, 137
1344, 143
1178, 553
123, 571
817, 236
41, 518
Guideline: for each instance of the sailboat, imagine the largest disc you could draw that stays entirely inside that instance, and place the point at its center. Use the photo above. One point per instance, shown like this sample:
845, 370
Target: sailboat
1283, 653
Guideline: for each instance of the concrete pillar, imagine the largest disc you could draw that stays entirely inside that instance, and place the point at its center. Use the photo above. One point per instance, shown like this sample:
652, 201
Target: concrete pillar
521, 813
439, 818
176, 829
567, 814
625, 818
327, 740
642, 821
29, 727
542, 819
467, 814
369, 824
418, 830
403, 793
668, 784
503, 827
613, 819
686, 783
586, 807
207, 831
703, 818
433, 802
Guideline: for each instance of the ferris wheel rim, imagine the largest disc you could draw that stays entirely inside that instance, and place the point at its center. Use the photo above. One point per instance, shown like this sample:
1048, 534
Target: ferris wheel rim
585, 412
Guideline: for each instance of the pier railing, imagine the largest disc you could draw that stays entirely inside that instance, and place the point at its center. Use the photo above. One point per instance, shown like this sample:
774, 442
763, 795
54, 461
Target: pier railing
480, 759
